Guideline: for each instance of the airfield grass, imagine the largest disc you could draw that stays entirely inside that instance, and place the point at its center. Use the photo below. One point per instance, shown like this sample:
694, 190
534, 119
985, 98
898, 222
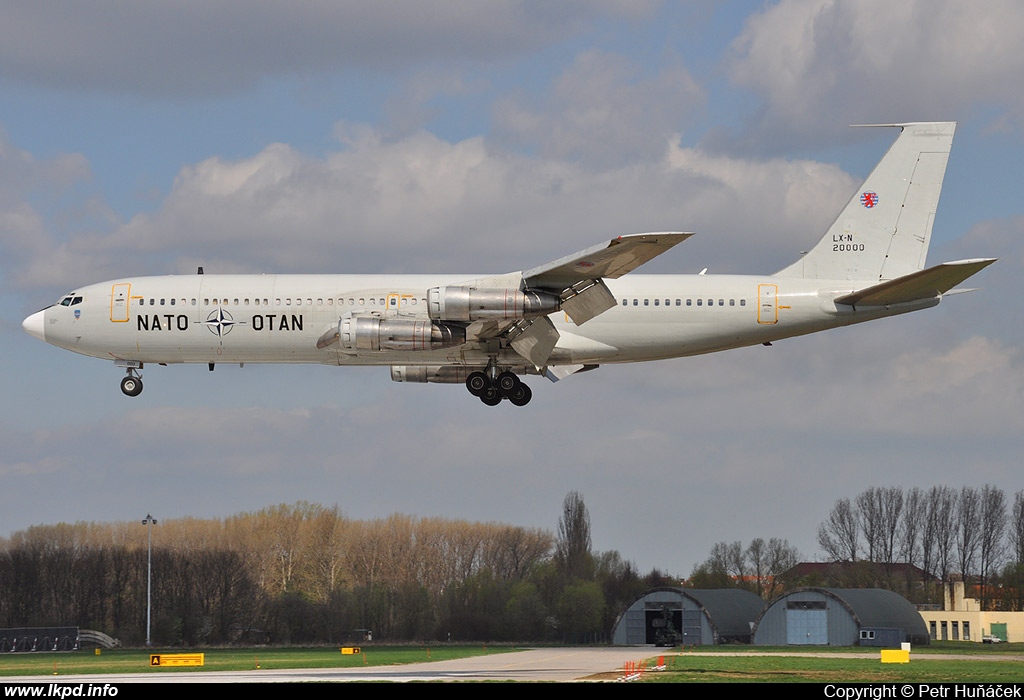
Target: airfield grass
976, 663
229, 659
982, 666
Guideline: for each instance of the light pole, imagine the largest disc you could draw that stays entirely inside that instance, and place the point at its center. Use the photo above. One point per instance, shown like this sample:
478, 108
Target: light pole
149, 522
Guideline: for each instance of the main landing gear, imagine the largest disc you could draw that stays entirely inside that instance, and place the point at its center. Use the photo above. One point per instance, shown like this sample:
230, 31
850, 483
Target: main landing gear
504, 386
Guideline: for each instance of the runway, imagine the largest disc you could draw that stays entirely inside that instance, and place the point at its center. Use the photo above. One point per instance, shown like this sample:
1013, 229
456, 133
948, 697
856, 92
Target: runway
554, 664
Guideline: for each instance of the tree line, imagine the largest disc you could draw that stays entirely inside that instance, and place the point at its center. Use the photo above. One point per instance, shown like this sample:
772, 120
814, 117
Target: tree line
971, 532
305, 573
910, 541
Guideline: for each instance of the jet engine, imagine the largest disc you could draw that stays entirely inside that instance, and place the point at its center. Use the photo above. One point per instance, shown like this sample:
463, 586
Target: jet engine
369, 333
431, 374
475, 304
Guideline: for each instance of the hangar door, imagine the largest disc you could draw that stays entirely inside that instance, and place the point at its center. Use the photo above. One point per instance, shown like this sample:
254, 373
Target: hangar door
806, 622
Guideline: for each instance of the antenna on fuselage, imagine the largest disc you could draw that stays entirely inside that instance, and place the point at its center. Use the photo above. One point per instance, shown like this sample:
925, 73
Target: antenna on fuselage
200, 270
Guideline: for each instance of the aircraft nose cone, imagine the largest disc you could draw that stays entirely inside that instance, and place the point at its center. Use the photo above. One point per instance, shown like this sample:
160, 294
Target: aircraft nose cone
33, 325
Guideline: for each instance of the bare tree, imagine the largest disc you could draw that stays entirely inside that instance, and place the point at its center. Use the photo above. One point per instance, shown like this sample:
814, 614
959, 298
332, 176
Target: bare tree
991, 539
782, 557
942, 510
968, 525
869, 517
912, 523
891, 502
839, 535
1017, 529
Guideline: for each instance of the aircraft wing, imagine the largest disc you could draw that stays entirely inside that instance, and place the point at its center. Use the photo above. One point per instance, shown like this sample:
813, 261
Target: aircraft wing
924, 284
613, 259
578, 280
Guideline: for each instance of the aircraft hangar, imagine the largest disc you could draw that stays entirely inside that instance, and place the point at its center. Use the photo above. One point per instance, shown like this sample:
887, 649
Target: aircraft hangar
670, 616
840, 617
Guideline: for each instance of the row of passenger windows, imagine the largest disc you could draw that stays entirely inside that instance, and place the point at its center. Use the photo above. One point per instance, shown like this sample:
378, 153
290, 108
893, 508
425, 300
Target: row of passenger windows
285, 301
683, 302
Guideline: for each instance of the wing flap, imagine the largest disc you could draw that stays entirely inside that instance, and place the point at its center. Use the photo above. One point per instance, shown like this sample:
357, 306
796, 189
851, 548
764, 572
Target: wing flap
924, 284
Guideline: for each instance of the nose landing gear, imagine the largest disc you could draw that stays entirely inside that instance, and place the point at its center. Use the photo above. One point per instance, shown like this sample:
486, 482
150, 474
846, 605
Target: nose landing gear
132, 384
504, 386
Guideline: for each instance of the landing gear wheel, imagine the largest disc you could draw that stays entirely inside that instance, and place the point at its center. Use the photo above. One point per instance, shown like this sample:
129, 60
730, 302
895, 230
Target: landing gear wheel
491, 396
521, 395
507, 382
477, 382
131, 386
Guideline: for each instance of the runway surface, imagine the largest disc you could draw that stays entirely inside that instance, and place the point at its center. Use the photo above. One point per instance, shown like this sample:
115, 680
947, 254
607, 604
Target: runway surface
560, 664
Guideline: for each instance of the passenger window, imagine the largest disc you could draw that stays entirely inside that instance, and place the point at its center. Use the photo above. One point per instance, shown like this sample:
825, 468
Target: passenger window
700, 302
636, 302
656, 302
647, 302
743, 302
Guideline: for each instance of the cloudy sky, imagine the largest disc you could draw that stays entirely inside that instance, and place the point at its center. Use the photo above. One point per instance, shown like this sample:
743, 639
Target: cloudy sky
246, 135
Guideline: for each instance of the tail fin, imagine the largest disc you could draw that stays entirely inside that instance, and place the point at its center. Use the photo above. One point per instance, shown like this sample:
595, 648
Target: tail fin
884, 231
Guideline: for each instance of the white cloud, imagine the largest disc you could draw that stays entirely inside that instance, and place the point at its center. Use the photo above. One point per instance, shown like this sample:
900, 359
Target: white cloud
822, 64
173, 49
422, 204
603, 111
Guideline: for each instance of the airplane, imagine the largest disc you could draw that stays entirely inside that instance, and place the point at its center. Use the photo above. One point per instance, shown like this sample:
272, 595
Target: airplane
561, 318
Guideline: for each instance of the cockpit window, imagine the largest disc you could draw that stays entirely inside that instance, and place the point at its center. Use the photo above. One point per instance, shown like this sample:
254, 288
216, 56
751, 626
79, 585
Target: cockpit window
70, 300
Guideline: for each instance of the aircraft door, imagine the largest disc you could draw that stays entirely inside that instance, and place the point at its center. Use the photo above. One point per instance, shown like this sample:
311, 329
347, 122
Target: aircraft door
767, 303
120, 295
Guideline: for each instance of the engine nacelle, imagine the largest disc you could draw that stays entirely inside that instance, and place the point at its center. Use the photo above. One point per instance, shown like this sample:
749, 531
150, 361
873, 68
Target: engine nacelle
431, 374
369, 333
474, 304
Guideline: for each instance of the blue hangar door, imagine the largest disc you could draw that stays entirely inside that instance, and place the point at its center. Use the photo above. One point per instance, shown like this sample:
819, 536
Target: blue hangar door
806, 622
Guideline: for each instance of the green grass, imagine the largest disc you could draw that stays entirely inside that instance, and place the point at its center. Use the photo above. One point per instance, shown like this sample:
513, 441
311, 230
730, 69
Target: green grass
691, 666
137, 660
985, 667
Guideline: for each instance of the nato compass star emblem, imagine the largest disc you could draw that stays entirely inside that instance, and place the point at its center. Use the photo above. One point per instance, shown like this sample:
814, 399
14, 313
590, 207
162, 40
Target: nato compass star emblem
220, 322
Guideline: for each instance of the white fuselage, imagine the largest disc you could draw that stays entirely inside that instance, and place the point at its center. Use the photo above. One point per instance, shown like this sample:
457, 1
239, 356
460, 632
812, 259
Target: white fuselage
279, 318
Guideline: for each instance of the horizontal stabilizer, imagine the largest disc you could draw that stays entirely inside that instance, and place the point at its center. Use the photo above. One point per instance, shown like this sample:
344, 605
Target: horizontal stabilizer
924, 284
614, 259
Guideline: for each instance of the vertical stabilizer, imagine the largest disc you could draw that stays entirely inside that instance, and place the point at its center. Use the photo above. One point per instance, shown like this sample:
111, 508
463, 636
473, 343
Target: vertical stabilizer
884, 231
